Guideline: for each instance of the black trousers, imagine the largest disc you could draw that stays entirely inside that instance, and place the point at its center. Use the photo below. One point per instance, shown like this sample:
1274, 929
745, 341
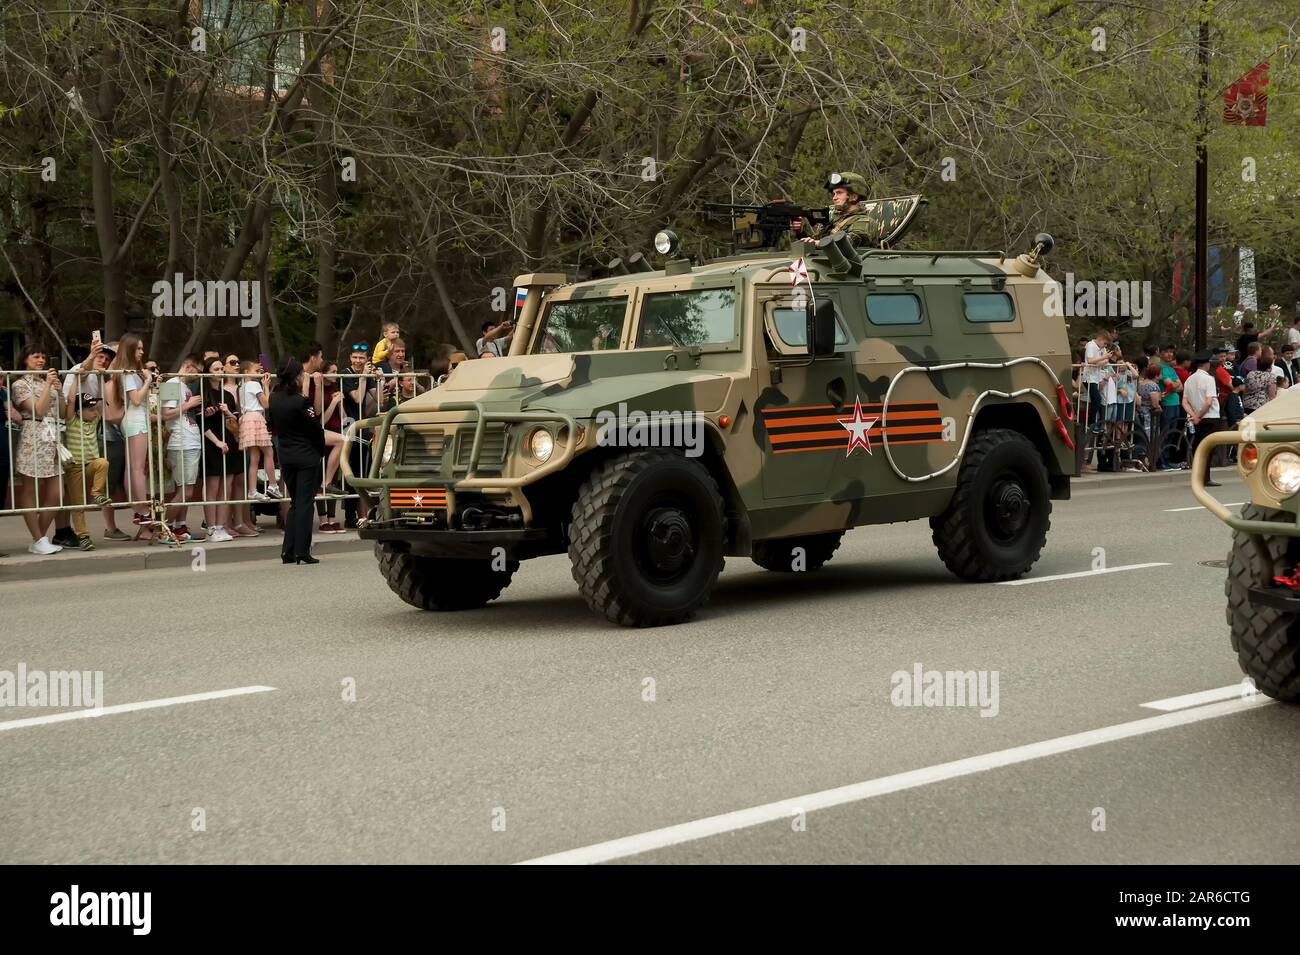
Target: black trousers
301, 484
1206, 428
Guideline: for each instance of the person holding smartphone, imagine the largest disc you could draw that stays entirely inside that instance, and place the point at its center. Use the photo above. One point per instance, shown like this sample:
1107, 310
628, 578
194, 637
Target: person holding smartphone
38, 397
83, 391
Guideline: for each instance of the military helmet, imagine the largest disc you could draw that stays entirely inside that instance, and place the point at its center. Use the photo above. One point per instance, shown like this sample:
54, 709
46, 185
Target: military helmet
851, 181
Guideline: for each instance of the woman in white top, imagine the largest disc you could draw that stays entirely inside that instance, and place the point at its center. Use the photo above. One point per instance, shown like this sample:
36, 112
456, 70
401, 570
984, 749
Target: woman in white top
130, 382
254, 438
38, 397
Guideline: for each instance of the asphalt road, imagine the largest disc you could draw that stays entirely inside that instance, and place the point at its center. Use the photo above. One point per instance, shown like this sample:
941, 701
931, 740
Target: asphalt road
524, 730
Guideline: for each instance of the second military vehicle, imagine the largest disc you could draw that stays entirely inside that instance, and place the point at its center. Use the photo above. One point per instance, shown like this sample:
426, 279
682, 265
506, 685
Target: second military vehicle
1263, 585
654, 422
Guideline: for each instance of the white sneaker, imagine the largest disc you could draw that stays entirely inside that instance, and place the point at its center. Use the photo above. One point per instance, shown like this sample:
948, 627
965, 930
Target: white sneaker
219, 535
274, 492
43, 547
256, 495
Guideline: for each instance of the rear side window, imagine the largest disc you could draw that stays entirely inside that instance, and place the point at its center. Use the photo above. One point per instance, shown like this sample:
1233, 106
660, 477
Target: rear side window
988, 307
893, 309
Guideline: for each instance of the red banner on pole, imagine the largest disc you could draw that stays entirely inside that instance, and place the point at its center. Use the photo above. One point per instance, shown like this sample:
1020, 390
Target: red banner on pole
1245, 103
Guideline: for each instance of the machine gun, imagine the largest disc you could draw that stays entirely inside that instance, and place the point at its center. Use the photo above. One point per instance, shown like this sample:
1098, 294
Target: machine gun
765, 226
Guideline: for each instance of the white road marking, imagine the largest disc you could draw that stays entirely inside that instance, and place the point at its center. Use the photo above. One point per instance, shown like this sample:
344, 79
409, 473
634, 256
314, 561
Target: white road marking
857, 792
1198, 507
130, 707
1201, 698
1081, 573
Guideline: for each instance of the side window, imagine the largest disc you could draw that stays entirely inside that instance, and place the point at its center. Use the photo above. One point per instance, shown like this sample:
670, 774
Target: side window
792, 327
987, 307
893, 308
686, 319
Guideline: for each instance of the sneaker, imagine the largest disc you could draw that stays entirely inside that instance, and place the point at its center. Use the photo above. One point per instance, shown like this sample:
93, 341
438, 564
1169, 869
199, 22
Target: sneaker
182, 533
219, 535
64, 537
140, 519
116, 535
257, 496
102, 500
274, 492
85, 543
43, 547
331, 527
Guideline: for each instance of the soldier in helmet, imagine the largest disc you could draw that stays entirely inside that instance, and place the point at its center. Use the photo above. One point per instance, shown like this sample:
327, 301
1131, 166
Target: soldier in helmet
847, 191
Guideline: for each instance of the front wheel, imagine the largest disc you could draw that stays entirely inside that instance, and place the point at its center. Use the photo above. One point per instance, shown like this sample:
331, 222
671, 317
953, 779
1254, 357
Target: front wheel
996, 524
646, 542
443, 583
1266, 640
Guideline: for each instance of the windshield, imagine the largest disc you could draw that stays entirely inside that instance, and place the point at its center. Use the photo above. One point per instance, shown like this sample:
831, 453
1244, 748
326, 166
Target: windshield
687, 319
593, 324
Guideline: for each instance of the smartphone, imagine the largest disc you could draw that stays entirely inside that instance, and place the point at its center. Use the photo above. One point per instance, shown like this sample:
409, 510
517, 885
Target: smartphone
264, 361
95, 337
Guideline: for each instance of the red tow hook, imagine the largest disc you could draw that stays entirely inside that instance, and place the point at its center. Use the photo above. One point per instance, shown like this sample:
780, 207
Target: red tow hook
1067, 409
1292, 581
1065, 435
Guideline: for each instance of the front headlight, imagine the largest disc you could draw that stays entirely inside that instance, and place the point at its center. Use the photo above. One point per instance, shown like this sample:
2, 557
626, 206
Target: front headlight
390, 447
541, 444
1284, 472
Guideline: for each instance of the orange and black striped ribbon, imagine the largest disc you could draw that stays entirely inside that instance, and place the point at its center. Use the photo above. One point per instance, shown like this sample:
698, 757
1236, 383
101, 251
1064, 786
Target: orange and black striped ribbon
818, 428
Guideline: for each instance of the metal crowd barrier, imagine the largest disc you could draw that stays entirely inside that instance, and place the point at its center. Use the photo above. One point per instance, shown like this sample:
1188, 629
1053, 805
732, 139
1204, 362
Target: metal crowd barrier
74, 440
1114, 430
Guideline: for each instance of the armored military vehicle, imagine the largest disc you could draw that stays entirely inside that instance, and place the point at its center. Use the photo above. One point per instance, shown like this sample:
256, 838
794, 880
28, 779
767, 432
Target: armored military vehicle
1263, 585
656, 421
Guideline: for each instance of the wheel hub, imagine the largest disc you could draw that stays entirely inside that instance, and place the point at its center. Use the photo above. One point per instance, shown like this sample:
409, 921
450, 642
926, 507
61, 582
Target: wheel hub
669, 540
1009, 508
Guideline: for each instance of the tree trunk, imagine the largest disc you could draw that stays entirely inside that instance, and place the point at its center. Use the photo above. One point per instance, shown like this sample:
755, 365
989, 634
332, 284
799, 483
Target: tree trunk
101, 177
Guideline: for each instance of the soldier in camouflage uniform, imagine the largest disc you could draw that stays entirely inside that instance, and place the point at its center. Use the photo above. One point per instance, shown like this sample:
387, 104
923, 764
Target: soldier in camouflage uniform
847, 191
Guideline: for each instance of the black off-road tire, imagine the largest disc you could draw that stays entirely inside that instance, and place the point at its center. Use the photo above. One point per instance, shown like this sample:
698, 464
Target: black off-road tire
996, 524
647, 541
442, 583
1266, 640
778, 554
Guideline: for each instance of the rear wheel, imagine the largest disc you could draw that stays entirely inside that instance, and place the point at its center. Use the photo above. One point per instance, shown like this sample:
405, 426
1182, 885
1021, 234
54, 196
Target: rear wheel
646, 542
443, 583
1266, 640
787, 554
996, 524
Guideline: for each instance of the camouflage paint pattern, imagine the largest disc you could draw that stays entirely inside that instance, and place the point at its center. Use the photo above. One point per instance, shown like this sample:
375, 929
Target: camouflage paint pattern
776, 441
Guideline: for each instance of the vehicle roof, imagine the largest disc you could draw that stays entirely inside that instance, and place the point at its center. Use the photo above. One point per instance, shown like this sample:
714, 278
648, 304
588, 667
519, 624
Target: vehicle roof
760, 267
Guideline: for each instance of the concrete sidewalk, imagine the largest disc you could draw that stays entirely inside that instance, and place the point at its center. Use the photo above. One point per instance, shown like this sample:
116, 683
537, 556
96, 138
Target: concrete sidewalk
116, 556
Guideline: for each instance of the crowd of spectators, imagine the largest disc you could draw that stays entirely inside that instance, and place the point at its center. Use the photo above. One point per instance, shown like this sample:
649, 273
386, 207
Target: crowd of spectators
113, 434
1151, 412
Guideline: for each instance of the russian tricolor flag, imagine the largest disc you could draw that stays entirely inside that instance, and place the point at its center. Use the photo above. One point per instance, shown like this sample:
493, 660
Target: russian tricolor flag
520, 294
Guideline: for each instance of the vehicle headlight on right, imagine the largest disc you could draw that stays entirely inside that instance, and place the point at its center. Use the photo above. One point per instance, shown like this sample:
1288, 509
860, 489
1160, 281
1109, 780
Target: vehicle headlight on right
541, 443
390, 446
1284, 472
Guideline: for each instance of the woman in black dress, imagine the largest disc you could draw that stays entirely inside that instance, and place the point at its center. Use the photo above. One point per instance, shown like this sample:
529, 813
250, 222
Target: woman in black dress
302, 445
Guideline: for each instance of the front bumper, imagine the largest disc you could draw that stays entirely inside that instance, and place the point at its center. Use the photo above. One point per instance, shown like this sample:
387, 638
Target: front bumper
517, 543
367, 485
1203, 496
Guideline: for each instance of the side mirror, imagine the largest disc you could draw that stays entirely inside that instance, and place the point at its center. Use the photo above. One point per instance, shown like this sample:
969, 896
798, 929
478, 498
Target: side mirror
821, 329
